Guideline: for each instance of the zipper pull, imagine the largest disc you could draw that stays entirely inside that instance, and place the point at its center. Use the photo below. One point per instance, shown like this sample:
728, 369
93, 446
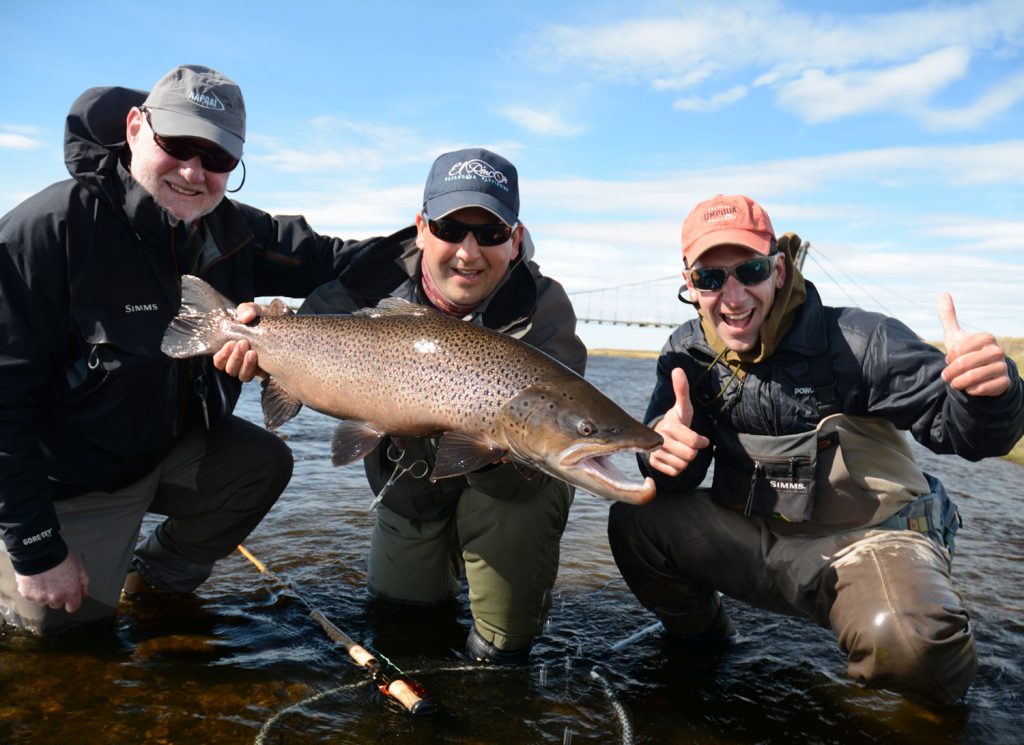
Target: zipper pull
753, 484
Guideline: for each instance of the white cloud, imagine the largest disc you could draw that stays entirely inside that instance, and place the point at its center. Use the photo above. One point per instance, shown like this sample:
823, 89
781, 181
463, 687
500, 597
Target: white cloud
714, 103
540, 122
818, 96
687, 80
991, 103
16, 141
976, 235
708, 36
827, 65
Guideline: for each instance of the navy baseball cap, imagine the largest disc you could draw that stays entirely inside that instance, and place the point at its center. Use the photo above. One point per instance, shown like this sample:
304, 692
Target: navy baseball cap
474, 177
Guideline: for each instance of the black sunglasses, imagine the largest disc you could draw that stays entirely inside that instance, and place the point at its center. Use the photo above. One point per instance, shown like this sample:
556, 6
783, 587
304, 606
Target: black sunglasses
749, 273
212, 157
452, 231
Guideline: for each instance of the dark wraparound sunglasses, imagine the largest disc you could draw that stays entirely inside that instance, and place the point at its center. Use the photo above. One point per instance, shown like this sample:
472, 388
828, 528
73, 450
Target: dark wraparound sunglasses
212, 157
452, 231
749, 273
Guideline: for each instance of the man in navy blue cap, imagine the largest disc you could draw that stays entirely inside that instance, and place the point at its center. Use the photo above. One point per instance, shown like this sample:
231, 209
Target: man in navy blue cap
469, 256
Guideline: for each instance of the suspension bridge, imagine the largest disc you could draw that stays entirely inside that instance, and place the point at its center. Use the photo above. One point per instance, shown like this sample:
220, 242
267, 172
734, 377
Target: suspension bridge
651, 303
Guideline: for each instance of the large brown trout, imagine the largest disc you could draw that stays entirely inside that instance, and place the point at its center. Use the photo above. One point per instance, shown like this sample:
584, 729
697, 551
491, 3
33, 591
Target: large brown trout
406, 370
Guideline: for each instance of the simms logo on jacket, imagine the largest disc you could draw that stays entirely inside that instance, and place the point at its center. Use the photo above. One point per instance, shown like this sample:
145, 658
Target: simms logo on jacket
129, 308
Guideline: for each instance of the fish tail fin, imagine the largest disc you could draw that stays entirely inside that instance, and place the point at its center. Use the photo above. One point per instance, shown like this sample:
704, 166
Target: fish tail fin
203, 323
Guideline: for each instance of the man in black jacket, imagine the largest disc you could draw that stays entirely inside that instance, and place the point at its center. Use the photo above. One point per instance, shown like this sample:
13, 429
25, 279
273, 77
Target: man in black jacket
97, 426
817, 507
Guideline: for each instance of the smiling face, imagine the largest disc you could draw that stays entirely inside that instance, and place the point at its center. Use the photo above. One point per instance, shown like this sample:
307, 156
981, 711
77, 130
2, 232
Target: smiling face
182, 187
466, 273
737, 311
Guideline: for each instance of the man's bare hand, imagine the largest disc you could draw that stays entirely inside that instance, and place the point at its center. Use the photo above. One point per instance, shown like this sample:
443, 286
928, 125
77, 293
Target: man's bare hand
64, 586
236, 358
975, 363
681, 443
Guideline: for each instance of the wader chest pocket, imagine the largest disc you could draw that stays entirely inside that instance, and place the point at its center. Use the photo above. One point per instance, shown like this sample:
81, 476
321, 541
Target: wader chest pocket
765, 476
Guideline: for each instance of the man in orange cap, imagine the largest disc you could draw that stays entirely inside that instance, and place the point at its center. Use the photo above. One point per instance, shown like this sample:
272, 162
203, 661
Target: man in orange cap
817, 507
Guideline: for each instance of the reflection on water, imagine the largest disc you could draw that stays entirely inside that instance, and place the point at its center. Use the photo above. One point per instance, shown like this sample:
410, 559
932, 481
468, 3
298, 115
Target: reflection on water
242, 661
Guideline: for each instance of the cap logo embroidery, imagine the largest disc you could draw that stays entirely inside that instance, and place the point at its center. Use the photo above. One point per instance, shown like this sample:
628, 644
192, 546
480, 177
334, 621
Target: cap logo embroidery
720, 213
477, 168
206, 100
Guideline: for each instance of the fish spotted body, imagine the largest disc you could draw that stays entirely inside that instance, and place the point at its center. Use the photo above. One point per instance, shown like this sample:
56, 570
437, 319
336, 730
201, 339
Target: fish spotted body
406, 370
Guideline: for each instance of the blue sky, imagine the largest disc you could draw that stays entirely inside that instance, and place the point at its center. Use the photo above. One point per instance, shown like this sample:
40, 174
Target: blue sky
887, 134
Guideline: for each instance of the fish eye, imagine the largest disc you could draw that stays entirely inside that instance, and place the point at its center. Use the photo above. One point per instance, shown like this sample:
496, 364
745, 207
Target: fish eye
586, 428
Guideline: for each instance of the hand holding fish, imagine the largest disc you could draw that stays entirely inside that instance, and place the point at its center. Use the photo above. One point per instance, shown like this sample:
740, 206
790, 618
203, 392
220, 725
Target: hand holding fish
237, 358
681, 443
975, 363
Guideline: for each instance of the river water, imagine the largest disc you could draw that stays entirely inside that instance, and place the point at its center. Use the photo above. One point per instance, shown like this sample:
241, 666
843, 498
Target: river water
243, 662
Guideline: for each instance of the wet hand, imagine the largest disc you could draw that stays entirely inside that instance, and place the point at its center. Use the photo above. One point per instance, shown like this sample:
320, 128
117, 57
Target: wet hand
64, 586
681, 443
236, 358
975, 363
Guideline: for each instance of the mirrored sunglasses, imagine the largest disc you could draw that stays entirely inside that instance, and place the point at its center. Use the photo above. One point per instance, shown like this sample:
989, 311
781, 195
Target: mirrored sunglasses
452, 231
214, 159
749, 273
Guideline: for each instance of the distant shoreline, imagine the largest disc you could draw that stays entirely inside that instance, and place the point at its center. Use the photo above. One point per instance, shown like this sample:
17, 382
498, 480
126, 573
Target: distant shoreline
631, 353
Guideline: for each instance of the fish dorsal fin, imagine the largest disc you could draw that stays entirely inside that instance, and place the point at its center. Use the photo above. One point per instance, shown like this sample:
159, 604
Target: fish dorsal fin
460, 452
395, 306
353, 441
278, 404
277, 308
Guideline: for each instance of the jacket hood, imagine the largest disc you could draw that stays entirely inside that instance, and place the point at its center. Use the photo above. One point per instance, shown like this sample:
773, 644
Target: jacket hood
94, 138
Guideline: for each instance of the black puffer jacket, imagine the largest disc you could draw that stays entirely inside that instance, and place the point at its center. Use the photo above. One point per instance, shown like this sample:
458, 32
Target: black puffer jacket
881, 369
89, 279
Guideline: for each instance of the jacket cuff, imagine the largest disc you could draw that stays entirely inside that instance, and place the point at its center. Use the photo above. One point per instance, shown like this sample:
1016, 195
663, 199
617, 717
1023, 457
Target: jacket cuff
39, 561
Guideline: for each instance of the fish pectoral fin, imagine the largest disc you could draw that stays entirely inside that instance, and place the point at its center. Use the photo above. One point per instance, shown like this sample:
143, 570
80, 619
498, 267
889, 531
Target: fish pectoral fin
459, 453
353, 441
278, 404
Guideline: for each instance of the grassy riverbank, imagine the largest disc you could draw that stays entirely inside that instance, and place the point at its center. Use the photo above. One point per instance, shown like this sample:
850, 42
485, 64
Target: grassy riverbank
1014, 347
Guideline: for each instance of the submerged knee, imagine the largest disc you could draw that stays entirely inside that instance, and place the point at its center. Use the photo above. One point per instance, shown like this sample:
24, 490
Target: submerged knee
929, 658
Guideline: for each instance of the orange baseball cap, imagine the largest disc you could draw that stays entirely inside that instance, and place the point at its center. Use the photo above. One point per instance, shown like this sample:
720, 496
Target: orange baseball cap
735, 220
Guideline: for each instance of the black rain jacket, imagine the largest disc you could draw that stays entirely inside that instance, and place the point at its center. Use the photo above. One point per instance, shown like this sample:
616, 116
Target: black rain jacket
89, 278
880, 368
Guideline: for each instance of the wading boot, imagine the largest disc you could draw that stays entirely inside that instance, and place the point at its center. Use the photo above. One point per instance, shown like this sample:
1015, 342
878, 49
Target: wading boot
479, 649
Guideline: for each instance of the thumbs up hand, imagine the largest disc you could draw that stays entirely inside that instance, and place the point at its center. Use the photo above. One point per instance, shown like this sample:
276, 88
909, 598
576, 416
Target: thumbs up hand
681, 443
975, 363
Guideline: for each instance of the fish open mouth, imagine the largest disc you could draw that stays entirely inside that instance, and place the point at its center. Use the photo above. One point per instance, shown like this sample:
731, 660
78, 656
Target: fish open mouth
598, 473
